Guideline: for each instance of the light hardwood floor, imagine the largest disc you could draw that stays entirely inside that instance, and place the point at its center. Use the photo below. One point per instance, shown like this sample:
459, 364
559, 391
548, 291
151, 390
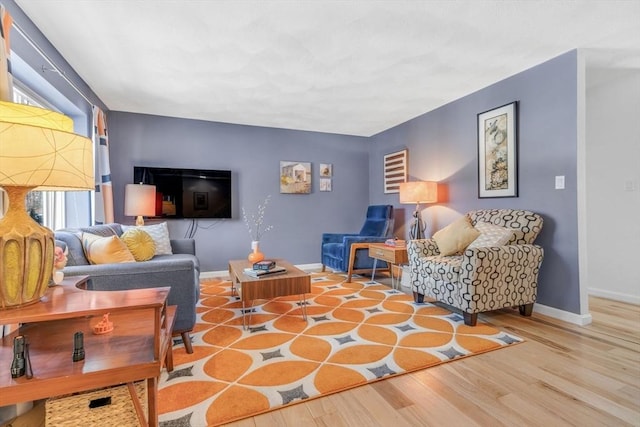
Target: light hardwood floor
563, 375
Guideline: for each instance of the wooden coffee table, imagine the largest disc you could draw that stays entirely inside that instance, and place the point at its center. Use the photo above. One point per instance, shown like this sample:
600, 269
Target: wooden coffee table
293, 282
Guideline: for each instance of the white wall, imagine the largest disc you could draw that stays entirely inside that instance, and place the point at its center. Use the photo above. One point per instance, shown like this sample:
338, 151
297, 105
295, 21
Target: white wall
613, 182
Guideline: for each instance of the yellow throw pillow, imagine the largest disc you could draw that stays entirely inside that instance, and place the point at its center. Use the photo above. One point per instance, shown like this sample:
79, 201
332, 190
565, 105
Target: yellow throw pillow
139, 243
455, 237
105, 250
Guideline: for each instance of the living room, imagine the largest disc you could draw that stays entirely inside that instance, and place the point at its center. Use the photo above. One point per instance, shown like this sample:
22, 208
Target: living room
564, 103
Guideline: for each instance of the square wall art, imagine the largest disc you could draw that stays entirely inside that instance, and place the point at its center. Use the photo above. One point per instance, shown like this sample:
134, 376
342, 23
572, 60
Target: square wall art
295, 177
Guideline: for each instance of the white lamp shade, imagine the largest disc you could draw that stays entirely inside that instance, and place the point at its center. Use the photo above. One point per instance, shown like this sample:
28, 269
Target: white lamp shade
39, 149
419, 192
139, 200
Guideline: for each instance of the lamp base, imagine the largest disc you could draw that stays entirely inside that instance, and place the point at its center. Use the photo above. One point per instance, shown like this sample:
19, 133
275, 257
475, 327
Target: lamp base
417, 227
26, 254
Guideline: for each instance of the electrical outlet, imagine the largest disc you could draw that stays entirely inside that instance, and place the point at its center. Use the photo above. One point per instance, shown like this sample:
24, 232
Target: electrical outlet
560, 182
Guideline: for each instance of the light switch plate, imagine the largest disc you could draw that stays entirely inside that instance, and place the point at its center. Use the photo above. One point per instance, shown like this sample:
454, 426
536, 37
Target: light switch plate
560, 182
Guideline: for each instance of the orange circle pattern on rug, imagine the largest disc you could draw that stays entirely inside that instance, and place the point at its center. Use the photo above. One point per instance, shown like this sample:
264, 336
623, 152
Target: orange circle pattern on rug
356, 333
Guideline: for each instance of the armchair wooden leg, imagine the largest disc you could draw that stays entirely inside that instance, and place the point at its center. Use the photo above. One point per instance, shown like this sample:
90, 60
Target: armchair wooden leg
323, 267
526, 309
470, 319
352, 257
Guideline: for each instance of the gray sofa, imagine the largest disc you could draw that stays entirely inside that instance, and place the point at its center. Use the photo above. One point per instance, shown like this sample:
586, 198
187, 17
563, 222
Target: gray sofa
180, 271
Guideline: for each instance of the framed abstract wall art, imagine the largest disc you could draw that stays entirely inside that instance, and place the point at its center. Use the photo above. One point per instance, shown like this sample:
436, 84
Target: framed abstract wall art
395, 170
498, 152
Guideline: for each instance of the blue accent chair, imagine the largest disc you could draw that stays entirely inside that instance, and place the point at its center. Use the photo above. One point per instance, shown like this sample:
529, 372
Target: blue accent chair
338, 249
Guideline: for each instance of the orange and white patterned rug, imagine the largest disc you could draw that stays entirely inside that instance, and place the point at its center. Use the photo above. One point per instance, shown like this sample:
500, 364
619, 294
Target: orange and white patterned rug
356, 333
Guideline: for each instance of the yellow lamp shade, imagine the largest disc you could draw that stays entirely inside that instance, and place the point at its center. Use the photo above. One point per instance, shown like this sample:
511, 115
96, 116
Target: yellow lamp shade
38, 149
419, 192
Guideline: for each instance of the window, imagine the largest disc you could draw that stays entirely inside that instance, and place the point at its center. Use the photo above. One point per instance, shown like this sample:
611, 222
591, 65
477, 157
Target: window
45, 207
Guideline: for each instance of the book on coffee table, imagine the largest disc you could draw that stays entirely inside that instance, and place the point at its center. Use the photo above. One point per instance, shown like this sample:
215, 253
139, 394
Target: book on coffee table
262, 273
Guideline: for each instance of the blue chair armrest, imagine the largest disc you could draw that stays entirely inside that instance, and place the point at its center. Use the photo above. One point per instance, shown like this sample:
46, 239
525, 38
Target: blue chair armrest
362, 260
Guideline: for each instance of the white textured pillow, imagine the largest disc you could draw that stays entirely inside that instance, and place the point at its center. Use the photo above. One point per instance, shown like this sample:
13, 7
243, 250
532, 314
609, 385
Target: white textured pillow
160, 235
490, 235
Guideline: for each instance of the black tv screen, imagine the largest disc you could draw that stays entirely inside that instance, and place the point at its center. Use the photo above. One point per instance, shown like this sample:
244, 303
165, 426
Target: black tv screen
188, 193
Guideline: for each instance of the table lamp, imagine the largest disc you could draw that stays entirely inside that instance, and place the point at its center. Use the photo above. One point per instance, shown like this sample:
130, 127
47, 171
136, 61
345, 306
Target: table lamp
139, 201
418, 192
38, 151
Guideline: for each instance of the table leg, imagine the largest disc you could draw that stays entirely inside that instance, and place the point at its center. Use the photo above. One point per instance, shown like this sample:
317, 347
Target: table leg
373, 273
303, 303
244, 328
248, 323
393, 285
152, 401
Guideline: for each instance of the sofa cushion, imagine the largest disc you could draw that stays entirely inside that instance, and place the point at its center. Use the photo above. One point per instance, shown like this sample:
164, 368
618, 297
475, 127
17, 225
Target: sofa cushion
105, 250
139, 243
75, 251
490, 235
455, 237
160, 235
104, 230
526, 225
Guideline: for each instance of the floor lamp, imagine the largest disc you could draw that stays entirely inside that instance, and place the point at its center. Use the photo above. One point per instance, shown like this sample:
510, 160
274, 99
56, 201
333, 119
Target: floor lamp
38, 151
418, 192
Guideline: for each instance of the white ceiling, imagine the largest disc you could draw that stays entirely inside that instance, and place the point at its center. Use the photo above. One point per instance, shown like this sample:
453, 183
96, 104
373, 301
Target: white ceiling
351, 67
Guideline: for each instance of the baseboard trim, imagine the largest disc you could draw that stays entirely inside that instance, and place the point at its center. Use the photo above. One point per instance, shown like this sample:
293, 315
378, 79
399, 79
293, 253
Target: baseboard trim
566, 316
225, 273
616, 296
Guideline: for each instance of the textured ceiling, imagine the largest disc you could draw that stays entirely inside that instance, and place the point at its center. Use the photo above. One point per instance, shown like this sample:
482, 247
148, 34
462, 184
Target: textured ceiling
347, 67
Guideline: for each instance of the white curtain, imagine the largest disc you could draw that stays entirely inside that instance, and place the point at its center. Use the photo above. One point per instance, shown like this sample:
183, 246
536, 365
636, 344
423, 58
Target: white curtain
54, 214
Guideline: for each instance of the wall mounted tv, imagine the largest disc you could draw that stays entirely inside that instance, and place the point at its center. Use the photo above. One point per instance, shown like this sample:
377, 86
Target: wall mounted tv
188, 193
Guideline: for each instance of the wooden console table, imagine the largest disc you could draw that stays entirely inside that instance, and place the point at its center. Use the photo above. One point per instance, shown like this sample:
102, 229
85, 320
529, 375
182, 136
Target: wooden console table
135, 350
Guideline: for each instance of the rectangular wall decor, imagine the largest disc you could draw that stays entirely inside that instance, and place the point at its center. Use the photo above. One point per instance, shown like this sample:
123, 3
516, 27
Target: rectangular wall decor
395, 170
295, 177
498, 152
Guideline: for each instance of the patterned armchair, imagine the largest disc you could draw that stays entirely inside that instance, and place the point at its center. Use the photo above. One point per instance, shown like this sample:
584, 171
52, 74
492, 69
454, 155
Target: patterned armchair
349, 252
482, 278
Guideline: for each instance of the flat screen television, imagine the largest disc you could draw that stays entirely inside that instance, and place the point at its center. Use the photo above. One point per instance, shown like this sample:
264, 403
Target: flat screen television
188, 193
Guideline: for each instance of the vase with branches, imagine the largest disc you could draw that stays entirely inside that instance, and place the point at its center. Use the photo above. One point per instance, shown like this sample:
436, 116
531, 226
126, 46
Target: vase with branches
257, 228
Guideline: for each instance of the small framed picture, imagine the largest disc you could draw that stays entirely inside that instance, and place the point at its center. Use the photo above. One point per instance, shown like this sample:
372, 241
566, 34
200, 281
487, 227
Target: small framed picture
325, 184
326, 170
498, 152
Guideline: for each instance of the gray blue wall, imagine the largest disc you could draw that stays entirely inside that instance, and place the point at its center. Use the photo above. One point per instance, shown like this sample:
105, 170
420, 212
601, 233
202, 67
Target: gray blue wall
253, 154
442, 146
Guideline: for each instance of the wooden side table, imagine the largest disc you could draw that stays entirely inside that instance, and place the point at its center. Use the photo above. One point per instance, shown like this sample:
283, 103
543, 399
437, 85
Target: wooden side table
136, 349
394, 255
